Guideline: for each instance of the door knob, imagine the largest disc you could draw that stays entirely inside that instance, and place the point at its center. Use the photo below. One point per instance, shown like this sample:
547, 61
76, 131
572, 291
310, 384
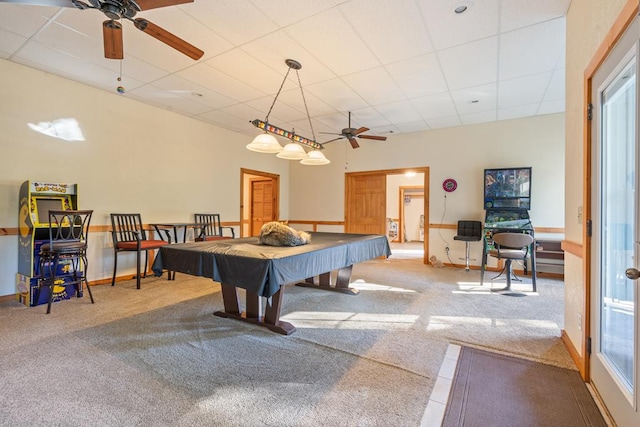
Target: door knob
632, 273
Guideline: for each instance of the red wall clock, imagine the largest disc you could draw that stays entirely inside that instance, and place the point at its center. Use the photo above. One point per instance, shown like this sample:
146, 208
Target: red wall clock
449, 185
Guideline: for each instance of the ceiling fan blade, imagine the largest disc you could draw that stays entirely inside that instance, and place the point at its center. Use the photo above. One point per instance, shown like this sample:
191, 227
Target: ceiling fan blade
57, 3
377, 138
360, 130
154, 4
326, 142
112, 38
169, 39
354, 143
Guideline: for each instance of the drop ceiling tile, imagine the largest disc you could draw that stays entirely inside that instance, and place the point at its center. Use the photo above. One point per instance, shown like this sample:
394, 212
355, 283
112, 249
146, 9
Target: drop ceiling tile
238, 22
337, 94
551, 107
556, 88
273, 49
340, 57
203, 95
521, 13
24, 21
518, 112
399, 112
544, 45
444, 122
472, 64
418, 76
171, 101
10, 43
481, 117
525, 90
206, 76
476, 99
413, 126
448, 29
240, 65
434, 106
393, 30
286, 12
375, 86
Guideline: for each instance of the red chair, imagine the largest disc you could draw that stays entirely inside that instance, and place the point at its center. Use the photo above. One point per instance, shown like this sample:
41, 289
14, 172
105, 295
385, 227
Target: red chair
130, 236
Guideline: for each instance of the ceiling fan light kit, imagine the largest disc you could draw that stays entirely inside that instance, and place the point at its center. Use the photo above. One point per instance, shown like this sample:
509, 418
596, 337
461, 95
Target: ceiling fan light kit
292, 151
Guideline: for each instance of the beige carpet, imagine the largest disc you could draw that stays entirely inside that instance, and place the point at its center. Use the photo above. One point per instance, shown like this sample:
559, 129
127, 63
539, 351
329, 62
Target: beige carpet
158, 357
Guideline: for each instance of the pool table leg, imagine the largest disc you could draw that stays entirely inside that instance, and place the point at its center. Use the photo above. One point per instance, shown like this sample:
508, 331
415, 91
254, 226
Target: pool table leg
270, 320
324, 282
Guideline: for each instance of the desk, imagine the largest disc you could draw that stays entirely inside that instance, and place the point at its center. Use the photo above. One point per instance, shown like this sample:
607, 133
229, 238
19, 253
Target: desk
175, 226
264, 270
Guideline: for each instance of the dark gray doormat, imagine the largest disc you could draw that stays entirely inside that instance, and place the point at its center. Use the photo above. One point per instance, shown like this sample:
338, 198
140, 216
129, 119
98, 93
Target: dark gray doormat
494, 390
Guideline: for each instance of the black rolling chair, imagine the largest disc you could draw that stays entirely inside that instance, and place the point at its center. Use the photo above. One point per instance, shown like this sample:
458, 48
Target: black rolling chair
468, 231
63, 259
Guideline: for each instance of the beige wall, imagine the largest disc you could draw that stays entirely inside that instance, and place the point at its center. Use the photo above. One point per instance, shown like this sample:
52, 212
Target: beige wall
136, 158
461, 153
588, 21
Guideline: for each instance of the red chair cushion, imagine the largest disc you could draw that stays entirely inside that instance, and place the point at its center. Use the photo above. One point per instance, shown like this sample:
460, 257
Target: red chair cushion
144, 245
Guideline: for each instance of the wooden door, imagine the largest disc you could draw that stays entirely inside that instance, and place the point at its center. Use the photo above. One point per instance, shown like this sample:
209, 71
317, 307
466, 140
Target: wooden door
262, 210
366, 204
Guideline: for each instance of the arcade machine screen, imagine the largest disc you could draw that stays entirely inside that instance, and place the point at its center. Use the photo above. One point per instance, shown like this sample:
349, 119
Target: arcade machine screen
507, 188
45, 204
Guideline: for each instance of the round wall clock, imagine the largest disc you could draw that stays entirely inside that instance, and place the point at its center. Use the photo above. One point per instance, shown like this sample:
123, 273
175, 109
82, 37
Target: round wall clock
449, 185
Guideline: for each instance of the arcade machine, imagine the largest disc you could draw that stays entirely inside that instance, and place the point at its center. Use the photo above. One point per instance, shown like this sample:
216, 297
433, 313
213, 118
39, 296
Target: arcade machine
36, 199
507, 200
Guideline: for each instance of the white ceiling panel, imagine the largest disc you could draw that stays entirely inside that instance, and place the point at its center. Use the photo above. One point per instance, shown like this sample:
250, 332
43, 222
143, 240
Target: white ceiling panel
471, 64
399, 67
394, 30
448, 29
544, 47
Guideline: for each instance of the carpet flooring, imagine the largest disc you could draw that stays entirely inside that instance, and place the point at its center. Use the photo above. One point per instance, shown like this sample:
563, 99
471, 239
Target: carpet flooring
491, 389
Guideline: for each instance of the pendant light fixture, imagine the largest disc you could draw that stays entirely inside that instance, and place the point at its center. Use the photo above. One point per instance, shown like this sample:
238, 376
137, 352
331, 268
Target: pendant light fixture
267, 143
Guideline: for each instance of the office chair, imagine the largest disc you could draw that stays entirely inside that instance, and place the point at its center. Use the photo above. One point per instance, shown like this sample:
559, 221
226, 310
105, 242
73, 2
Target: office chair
211, 228
468, 231
63, 259
510, 247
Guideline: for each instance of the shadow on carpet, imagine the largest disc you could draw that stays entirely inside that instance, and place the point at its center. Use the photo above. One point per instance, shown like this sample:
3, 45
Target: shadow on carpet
491, 389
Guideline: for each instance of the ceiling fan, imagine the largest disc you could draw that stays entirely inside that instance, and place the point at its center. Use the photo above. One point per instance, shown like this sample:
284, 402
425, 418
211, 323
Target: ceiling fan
116, 10
351, 134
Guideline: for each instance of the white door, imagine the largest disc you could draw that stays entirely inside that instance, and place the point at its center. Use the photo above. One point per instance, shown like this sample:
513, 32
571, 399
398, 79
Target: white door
614, 364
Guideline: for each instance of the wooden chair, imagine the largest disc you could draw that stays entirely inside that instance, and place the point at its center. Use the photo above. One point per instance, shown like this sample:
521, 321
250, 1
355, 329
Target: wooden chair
63, 259
211, 229
510, 247
130, 236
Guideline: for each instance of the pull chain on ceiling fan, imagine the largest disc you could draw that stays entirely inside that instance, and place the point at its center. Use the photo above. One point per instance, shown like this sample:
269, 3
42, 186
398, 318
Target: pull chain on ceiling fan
351, 134
117, 10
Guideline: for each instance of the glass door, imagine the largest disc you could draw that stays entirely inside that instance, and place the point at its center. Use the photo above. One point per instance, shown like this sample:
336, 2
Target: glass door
614, 296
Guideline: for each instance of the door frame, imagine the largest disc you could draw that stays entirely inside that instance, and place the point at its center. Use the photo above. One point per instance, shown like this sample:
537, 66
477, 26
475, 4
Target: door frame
246, 176
425, 184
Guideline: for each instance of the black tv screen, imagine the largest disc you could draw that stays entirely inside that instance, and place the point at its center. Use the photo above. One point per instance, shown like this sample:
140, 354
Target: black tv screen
507, 188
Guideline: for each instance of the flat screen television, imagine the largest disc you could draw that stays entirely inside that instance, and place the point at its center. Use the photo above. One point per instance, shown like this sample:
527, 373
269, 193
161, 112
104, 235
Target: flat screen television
45, 204
507, 188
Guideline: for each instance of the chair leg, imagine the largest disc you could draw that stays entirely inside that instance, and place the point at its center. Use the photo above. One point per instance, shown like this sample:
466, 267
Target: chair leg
115, 266
137, 269
466, 256
84, 278
508, 270
52, 282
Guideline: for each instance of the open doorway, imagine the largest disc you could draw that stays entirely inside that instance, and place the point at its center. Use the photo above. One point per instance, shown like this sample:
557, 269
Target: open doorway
373, 204
259, 200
